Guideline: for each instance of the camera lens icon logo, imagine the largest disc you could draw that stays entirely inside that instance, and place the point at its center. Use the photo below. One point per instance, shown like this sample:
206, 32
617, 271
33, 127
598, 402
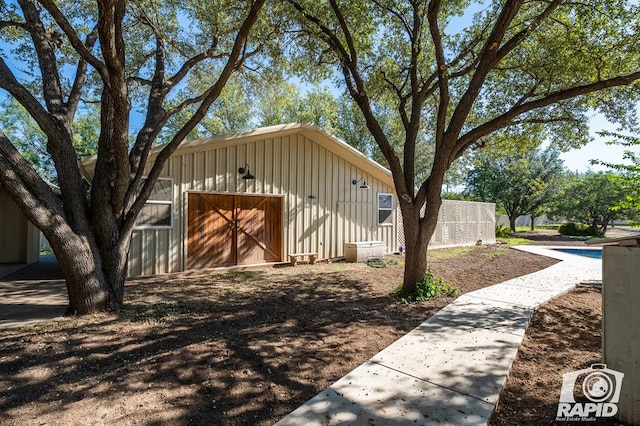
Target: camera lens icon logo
598, 387
599, 384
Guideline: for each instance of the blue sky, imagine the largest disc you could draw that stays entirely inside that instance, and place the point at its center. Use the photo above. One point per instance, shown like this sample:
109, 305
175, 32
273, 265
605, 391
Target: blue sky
578, 159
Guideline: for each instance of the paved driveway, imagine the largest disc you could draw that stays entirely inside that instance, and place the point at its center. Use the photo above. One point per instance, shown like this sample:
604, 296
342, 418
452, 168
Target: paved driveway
32, 294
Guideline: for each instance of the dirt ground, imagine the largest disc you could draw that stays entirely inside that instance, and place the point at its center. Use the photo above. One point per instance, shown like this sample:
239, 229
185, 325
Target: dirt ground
563, 335
239, 348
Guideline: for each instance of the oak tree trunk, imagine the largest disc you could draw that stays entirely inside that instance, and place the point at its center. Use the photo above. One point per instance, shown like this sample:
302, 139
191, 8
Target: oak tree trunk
419, 223
512, 221
94, 278
415, 266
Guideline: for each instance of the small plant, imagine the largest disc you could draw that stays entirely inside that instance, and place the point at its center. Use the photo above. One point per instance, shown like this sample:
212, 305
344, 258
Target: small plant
429, 288
573, 229
496, 254
503, 231
382, 263
376, 263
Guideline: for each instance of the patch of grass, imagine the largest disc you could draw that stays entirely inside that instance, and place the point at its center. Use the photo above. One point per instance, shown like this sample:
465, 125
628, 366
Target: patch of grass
376, 263
308, 287
515, 241
227, 293
429, 288
497, 251
392, 262
238, 276
449, 253
538, 228
157, 312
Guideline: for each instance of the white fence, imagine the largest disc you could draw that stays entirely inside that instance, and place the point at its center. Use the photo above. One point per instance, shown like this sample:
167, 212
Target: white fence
462, 223
522, 220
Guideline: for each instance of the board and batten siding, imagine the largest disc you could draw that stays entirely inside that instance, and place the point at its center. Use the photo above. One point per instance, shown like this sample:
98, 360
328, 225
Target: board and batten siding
322, 210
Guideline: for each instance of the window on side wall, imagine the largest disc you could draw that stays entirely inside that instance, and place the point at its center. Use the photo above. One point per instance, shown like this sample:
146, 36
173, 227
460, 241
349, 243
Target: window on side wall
385, 209
157, 212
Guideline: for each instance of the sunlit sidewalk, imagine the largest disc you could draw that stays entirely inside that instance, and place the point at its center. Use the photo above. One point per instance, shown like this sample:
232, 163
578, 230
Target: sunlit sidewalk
451, 368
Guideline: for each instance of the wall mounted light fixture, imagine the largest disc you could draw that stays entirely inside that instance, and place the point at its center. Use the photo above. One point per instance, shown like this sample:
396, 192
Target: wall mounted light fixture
247, 174
364, 183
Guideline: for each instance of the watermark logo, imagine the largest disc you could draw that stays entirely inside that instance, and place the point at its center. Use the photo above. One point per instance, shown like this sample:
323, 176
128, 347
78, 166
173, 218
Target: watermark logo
600, 385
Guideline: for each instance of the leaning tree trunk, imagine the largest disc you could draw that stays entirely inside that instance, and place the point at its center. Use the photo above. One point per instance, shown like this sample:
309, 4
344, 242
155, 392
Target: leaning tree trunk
533, 224
602, 230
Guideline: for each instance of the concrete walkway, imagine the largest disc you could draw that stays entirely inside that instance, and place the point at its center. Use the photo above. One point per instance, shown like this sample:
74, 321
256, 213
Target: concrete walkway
451, 368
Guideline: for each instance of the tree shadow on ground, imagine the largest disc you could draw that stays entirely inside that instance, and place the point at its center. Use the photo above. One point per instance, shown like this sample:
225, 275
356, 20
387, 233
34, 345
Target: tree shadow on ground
210, 352
209, 348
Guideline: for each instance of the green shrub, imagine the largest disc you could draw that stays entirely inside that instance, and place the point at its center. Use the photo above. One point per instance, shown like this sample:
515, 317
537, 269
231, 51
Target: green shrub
503, 231
573, 229
429, 288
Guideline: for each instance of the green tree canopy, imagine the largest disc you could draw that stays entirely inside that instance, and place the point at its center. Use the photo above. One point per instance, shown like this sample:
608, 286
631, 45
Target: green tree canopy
523, 183
628, 172
591, 198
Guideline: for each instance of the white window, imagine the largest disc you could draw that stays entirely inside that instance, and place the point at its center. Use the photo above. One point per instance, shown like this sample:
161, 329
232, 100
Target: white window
385, 209
158, 210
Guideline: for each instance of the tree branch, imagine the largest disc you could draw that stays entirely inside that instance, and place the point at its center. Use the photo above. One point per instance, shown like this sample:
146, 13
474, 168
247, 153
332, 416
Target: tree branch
396, 14
488, 59
26, 186
514, 41
190, 63
8, 24
153, 121
73, 38
443, 105
353, 52
9, 83
80, 78
211, 95
43, 44
498, 122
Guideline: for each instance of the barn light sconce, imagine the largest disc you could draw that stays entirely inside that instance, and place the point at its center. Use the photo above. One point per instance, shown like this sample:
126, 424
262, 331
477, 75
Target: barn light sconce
245, 171
363, 185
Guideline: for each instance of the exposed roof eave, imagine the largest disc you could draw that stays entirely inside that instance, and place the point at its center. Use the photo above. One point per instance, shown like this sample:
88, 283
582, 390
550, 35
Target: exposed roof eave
309, 130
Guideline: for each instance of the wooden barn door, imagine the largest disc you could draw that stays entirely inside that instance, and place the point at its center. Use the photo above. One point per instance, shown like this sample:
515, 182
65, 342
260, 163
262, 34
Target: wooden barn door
259, 232
226, 230
211, 231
